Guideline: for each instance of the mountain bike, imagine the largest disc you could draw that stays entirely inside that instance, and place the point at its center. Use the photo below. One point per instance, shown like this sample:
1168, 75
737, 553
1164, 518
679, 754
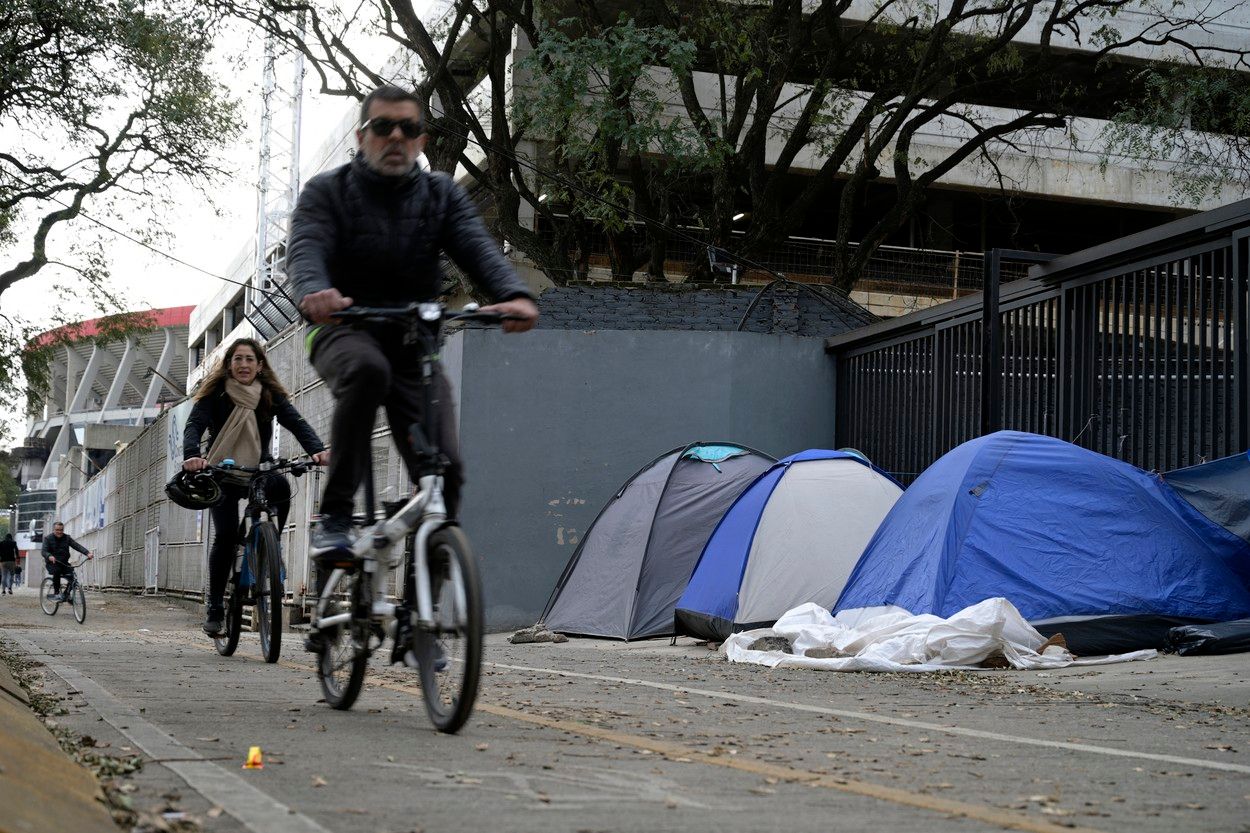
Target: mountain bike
436, 625
256, 576
73, 589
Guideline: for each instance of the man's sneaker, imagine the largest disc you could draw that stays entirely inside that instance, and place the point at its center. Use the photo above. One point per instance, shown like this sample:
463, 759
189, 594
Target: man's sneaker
331, 535
314, 643
215, 621
54, 595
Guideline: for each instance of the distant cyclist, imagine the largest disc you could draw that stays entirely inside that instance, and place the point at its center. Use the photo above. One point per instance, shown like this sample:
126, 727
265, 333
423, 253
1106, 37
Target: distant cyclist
56, 549
236, 405
371, 232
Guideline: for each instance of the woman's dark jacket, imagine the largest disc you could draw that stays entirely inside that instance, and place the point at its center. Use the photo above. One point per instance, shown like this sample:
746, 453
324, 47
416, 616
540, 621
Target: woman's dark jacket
211, 413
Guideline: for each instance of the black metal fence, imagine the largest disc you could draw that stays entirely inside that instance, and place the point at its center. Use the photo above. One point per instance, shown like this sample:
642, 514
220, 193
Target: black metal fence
1136, 349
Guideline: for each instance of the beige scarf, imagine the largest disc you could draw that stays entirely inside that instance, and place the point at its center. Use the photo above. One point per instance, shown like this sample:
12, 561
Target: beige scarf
239, 438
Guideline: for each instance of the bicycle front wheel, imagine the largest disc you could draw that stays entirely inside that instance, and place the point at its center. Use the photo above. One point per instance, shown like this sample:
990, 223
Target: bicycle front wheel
269, 590
344, 653
450, 654
49, 605
78, 598
227, 639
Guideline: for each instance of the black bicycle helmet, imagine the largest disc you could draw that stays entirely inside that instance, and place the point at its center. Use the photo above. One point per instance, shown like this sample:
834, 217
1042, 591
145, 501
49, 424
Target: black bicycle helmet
194, 490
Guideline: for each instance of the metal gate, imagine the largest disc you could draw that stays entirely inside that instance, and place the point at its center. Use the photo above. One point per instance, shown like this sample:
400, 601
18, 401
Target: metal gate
151, 559
1136, 349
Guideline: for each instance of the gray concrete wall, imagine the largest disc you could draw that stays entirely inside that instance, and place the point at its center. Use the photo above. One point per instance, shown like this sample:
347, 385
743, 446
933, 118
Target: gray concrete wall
553, 422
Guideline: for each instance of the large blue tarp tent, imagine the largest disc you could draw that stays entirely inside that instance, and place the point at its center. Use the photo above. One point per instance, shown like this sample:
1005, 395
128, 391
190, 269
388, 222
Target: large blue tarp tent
1220, 490
1082, 544
791, 537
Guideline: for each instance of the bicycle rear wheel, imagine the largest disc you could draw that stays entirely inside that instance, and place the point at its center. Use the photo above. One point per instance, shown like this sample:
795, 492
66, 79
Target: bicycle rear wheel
78, 598
227, 639
269, 590
450, 654
344, 653
49, 605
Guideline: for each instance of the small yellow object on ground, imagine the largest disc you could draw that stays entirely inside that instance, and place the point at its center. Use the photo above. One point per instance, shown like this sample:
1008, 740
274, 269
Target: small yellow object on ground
254, 760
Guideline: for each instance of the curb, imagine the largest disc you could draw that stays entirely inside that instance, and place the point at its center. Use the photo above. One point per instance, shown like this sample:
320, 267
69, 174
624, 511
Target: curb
41, 787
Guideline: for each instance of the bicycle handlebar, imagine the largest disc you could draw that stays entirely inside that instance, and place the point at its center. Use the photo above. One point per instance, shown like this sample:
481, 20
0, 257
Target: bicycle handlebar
295, 466
428, 311
74, 564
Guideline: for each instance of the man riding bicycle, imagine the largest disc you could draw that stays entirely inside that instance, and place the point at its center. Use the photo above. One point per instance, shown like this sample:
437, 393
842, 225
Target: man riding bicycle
56, 549
371, 232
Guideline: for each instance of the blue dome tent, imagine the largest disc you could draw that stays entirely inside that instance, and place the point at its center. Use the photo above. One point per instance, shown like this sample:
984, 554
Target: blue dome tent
791, 537
1082, 544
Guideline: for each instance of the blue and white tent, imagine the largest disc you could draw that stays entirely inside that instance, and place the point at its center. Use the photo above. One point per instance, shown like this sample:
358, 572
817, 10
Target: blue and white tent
791, 537
1082, 544
635, 559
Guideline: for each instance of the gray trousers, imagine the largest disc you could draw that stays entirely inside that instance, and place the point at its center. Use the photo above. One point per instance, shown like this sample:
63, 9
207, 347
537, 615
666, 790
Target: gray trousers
365, 370
8, 571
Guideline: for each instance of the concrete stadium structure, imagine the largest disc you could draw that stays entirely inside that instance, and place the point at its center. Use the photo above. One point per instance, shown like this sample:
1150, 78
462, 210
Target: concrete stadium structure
101, 395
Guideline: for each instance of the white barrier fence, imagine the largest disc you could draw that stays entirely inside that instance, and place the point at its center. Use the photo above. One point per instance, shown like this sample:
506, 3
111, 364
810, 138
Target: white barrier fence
145, 543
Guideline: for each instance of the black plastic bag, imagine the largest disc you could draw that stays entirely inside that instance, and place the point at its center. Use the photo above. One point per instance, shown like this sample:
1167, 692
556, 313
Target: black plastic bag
1219, 638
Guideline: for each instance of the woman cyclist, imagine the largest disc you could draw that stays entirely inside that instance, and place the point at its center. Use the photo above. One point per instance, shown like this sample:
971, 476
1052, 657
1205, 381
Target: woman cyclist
236, 404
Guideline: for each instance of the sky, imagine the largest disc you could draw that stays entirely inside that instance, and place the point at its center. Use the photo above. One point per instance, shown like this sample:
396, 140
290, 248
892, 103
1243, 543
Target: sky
202, 234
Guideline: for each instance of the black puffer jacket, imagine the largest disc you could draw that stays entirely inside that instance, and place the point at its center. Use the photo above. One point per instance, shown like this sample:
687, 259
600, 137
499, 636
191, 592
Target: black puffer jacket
378, 239
211, 413
58, 548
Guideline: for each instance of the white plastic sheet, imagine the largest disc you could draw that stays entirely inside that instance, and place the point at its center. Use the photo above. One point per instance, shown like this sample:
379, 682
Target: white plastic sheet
891, 639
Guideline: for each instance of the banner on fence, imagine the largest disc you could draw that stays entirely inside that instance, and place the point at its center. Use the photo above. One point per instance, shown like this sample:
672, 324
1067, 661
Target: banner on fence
175, 423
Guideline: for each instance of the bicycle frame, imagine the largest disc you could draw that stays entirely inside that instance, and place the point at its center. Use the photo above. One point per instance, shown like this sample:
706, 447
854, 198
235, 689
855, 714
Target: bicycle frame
72, 577
259, 507
258, 510
425, 512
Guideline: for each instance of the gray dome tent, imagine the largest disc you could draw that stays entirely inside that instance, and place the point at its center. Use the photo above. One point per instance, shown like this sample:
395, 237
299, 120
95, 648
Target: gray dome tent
632, 565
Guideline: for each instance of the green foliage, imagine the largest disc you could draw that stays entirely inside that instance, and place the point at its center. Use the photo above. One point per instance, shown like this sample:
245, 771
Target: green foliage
1193, 122
8, 488
598, 96
105, 104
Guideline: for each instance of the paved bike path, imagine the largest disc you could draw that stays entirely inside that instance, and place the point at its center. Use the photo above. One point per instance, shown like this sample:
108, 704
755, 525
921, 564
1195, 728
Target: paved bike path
380, 767
592, 736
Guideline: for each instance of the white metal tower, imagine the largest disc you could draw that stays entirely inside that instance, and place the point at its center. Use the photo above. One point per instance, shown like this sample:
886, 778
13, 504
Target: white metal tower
268, 307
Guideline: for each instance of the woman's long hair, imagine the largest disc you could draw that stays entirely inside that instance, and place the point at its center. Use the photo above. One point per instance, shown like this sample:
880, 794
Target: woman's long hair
269, 384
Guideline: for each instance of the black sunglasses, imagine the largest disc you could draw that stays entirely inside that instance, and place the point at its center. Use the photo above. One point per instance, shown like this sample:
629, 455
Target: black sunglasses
384, 127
